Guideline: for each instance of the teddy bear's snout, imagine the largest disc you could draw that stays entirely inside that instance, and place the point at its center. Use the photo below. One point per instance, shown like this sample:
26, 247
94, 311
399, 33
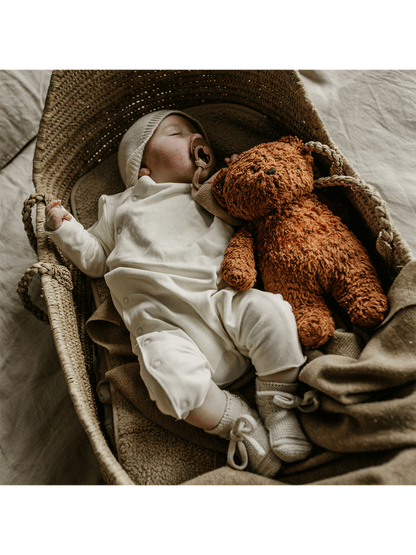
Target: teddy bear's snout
272, 171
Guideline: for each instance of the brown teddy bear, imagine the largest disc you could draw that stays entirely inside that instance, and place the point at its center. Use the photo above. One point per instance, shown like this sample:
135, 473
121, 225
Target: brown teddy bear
302, 250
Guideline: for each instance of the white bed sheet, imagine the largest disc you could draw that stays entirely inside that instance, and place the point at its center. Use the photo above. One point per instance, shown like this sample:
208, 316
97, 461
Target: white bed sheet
370, 116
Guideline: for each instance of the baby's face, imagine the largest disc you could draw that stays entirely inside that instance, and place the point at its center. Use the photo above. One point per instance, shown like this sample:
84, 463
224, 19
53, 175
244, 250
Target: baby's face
167, 156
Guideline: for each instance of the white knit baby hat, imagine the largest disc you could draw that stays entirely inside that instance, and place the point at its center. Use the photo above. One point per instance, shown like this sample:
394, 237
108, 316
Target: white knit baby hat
132, 145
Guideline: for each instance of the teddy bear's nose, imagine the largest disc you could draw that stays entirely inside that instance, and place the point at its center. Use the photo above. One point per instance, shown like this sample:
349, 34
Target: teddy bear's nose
272, 171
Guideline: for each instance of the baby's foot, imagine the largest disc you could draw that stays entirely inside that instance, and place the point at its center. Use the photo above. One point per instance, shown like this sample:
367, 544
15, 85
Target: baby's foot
248, 437
274, 402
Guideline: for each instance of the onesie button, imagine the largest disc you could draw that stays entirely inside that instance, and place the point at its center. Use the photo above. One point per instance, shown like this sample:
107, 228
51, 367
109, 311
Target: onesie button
156, 364
184, 405
139, 331
134, 198
146, 342
126, 300
119, 230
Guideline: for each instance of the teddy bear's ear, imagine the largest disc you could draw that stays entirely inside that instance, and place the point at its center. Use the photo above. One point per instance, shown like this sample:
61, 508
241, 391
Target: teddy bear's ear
218, 187
300, 145
295, 142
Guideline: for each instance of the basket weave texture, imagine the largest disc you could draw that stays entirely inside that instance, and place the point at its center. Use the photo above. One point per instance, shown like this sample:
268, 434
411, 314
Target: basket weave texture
85, 116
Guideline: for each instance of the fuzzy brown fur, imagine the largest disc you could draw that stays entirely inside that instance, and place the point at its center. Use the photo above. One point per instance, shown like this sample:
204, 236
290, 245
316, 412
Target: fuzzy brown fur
302, 250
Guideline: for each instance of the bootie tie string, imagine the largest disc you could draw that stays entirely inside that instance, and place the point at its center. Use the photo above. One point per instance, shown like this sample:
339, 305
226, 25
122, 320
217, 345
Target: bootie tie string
243, 427
285, 400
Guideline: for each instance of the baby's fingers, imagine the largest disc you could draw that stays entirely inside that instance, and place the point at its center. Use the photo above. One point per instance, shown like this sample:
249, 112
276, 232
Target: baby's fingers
233, 158
51, 205
55, 215
143, 171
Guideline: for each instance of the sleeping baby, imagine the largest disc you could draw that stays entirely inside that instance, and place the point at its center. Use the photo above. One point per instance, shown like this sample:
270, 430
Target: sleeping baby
160, 253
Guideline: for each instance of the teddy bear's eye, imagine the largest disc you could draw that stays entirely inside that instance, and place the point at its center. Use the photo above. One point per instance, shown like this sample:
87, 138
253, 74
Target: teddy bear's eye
272, 171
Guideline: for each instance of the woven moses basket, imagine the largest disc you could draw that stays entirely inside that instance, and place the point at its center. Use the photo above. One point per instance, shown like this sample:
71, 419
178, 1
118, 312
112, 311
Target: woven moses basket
85, 116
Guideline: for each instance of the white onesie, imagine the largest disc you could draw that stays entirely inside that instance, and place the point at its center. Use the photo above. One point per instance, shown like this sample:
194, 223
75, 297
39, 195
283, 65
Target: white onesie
161, 254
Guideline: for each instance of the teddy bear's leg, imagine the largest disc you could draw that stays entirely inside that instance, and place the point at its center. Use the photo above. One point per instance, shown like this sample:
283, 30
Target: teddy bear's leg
313, 318
360, 293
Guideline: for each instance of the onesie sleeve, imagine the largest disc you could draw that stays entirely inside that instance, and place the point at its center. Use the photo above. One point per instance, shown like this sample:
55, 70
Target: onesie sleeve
87, 249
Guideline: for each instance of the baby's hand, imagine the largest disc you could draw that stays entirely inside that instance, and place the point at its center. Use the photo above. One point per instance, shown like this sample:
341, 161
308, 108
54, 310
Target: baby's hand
233, 158
143, 171
55, 214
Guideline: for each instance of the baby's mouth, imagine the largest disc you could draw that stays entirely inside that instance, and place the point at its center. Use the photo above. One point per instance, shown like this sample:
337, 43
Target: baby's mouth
200, 152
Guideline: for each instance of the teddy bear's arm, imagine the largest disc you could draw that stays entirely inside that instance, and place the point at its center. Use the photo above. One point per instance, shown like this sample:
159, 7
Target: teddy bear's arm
239, 266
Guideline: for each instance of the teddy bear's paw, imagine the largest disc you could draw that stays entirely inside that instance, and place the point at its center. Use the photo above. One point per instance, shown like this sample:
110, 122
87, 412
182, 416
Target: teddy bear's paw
368, 312
237, 278
315, 329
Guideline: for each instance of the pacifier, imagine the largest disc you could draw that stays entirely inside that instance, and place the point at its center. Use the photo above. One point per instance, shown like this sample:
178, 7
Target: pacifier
200, 152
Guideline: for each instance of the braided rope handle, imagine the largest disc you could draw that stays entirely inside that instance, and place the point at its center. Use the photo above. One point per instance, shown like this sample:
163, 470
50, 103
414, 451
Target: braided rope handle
59, 272
337, 166
337, 170
28, 204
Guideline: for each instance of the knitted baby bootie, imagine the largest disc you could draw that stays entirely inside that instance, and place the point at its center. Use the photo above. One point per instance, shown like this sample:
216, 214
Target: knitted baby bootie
275, 402
248, 437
